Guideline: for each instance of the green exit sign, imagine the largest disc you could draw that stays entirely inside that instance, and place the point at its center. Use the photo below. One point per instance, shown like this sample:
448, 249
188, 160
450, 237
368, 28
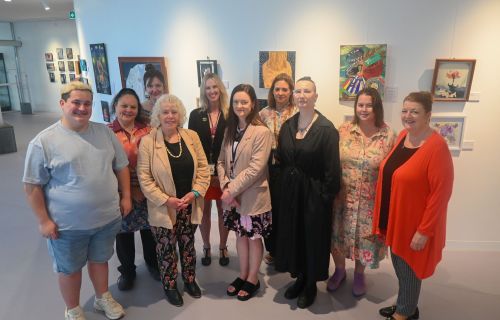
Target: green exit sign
72, 15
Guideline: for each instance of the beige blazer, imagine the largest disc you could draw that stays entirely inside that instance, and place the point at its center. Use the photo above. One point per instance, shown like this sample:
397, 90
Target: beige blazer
250, 186
155, 176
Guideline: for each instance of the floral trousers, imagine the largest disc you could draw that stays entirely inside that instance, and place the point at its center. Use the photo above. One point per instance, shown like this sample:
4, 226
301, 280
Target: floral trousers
182, 234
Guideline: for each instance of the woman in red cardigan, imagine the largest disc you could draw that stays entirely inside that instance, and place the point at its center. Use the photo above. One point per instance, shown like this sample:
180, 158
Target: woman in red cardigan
415, 184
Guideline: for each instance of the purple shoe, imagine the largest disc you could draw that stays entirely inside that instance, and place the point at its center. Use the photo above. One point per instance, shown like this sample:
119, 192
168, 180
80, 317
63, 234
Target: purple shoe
358, 286
336, 279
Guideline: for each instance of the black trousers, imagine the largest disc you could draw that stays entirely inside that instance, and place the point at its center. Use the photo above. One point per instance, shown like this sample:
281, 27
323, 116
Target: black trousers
125, 250
274, 188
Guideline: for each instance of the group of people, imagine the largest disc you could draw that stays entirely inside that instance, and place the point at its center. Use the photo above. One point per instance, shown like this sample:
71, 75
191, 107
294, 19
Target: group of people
283, 176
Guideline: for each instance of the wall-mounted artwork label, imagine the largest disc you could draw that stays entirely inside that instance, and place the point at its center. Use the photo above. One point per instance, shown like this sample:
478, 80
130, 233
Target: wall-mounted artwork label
452, 79
101, 70
361, 66
272, 63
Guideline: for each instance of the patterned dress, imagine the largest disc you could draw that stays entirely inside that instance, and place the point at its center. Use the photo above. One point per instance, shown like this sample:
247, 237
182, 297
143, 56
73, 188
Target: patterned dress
353, 211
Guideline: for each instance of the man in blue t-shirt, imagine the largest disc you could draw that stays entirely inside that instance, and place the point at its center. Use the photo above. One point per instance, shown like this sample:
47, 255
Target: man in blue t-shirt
73, 171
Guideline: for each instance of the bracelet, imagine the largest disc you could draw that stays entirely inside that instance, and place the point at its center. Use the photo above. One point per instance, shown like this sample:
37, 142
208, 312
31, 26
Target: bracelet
196, 193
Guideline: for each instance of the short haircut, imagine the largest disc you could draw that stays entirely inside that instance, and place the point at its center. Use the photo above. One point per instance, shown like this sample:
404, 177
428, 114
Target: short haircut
280, 77
163, 99
129, 92
423, 98
377, 106
223, 100
309, 79
74, 85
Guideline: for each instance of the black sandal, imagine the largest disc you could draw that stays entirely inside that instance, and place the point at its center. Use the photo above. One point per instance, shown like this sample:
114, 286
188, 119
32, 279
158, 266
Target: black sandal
250, 289
237, 284
207, 259
223, 257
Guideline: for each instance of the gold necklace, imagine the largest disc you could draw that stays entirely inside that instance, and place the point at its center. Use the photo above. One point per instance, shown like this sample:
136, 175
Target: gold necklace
180, 148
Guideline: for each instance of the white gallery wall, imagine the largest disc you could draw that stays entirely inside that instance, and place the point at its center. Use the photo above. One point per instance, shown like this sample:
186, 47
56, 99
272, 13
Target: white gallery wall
416, 32
39, 37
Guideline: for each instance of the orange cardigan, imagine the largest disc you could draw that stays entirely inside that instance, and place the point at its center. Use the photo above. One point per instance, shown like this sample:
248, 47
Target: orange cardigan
420, 191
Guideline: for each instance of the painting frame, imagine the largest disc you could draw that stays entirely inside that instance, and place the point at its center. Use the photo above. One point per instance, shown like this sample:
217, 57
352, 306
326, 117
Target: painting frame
101, 68
138, 65
450, 68
273, 63
204, 67
451, 127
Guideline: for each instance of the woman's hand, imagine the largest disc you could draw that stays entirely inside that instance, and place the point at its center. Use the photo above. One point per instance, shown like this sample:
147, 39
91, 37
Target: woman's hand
228, 199
187, 199
418, 242
174, 203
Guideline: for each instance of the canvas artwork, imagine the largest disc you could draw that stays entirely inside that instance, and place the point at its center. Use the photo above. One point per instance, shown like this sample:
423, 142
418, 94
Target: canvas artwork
361, 66
49, 57
60, 53
51, 67
72, 77
52, 77
83, 65
452, 79
77, 67
63, 78
204, 67
105, 111
61, 66
69, 53
71, 66
451, 128
272, 63
101, 70
132, 70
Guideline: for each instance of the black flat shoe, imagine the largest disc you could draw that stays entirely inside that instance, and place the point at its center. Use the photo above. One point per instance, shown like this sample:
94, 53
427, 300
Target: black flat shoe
307, 297
223, 257
389, 311
237, 285
250, 289
207, 259
174, 297
192, 289
125, 283
295, 289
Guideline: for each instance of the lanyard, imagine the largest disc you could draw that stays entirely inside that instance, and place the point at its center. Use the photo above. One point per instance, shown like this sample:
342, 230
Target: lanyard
213, 130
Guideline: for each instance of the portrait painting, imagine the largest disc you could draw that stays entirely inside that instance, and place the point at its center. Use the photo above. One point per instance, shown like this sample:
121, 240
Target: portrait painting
63, 78
272, 63
72, 77
49, 57
50, 67
361, 66
69, 53
101, 69
204, 67
52, 77
61, 66
451, 128
60, 53
106, 116
132, 70
452, 79
71, 66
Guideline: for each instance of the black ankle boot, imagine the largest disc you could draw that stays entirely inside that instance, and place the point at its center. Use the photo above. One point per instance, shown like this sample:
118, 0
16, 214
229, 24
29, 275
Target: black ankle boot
174, 297
295, 289
307, 296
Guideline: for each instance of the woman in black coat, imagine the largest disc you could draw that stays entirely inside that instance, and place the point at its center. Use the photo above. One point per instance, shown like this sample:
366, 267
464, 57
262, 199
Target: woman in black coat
308, 151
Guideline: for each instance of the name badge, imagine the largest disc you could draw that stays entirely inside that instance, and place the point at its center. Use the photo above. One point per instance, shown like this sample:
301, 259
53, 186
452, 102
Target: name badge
211, 167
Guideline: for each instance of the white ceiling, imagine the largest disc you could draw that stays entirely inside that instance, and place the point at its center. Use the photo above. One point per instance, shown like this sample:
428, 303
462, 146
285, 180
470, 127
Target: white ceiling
19, 10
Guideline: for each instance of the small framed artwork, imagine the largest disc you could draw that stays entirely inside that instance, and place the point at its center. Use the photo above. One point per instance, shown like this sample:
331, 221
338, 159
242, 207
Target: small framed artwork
452, 79
60, 53
63, 78
61, 66
101, 69
77, 67
451, 128
83, 65
72, 77
71, 66
51, 67
133, 69
52, 77
69, 53
204, 67
105, 111
49, 57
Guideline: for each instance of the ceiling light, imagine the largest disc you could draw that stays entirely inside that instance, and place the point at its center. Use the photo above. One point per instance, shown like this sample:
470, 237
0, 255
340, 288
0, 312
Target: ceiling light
45, 5
7, 0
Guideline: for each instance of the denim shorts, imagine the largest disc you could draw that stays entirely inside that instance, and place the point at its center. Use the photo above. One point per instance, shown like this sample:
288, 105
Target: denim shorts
74, 248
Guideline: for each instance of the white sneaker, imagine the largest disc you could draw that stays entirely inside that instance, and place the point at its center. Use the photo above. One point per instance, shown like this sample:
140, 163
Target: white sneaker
74, 314
108, 305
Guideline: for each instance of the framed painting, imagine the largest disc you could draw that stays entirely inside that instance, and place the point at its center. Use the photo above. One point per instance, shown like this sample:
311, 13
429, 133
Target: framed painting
61, 66
50, 67
272, 63
69, 53
361, 66
105, 111
63, 78
52, 77
132, 70
72, 77
452, 79
204, 67
451, 128
101, 70
83, 65
60, 53
71, 66
49, 57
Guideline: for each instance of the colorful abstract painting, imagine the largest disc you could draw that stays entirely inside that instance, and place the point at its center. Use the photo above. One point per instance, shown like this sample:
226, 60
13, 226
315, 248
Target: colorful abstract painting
272, 63
101, 70
361, 66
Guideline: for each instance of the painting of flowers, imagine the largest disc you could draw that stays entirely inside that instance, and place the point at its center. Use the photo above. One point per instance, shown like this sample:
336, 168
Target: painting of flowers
451, 128
452, 79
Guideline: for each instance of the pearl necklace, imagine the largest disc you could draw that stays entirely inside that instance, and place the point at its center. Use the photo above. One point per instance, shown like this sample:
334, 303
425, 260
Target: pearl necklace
180, 148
